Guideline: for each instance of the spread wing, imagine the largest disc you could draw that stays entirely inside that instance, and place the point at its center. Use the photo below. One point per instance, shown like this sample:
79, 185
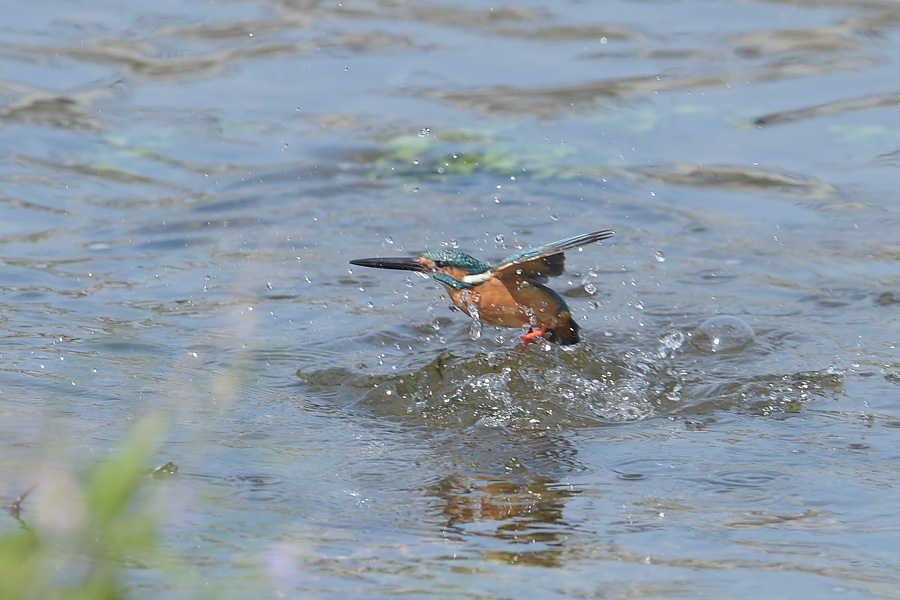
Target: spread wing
547, 260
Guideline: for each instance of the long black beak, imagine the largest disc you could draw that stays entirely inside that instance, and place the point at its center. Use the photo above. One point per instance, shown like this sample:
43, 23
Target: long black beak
401, 264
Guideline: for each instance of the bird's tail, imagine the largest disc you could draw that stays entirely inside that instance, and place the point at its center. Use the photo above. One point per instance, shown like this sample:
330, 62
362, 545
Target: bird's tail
566, 333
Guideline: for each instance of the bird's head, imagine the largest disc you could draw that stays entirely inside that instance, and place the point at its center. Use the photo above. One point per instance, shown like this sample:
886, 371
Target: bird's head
454, 269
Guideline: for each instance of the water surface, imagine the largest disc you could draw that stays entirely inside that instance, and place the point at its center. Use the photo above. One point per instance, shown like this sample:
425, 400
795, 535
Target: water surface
182, 187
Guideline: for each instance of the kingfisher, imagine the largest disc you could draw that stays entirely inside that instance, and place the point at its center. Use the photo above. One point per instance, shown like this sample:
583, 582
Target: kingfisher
511, 294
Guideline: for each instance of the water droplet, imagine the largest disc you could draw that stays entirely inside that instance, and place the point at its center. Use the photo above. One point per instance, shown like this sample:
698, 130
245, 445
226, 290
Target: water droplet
499, 238
415, 190
554, 217
722, 333
454, 244
660, 256
270, 285
424, 132
389, 240
590, 288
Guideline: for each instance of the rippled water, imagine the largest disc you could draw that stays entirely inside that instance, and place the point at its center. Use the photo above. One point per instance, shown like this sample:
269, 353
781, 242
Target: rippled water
182, 187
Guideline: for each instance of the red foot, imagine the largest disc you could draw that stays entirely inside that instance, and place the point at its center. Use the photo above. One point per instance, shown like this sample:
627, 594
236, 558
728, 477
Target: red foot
529, 337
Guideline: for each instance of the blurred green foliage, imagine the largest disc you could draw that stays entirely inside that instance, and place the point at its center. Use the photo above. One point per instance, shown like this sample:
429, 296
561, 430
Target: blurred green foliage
85, 531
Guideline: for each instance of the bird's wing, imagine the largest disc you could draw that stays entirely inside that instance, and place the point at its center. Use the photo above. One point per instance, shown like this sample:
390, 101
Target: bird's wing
547, 260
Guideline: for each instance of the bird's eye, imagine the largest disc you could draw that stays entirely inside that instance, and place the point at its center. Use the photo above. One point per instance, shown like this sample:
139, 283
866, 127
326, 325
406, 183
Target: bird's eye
441, 264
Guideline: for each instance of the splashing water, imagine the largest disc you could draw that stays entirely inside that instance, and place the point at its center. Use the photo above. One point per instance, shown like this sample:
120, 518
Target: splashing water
477, 326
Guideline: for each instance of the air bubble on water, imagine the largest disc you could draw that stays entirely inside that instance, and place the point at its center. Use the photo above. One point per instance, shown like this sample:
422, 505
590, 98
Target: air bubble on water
590, 288
722, 333
594, 305
660, 256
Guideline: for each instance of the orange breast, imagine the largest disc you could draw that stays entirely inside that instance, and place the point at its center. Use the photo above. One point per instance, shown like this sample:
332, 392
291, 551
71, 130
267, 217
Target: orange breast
510, 302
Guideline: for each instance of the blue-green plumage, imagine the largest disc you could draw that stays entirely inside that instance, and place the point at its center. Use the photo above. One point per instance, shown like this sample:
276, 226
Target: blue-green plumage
457, 260
450, 282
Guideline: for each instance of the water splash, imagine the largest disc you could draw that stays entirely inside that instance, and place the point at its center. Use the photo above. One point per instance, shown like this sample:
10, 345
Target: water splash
670, 343
476, 327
